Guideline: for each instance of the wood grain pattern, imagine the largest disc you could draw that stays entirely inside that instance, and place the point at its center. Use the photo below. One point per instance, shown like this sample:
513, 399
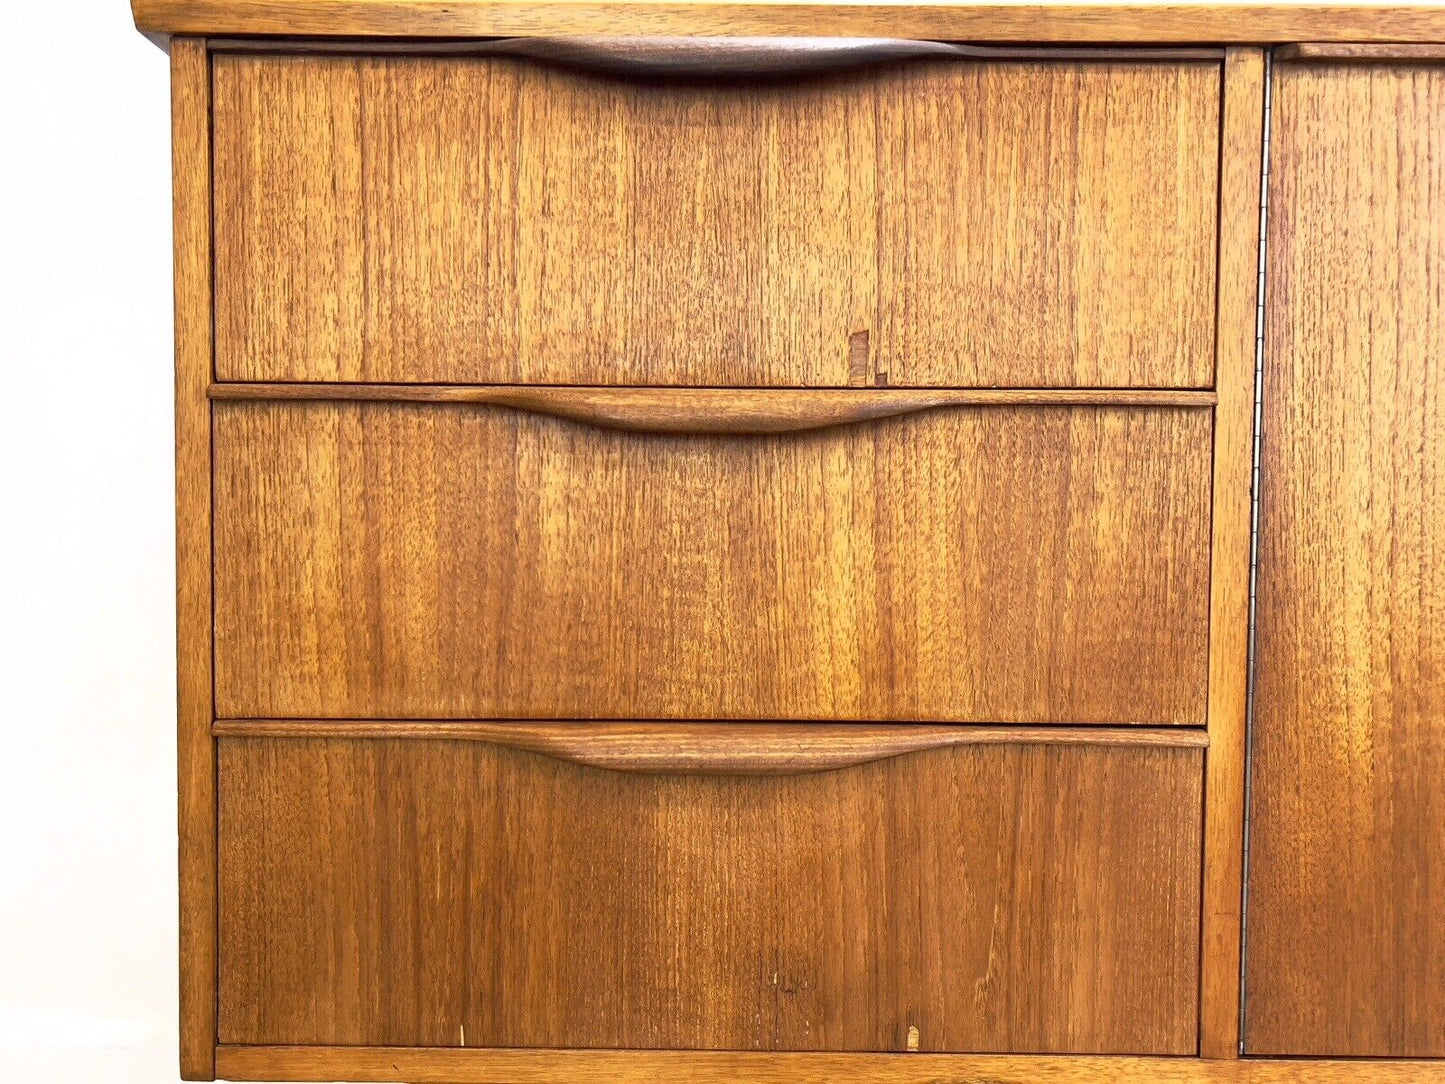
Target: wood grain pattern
497, 221
451, 1066
1347, 917
1047, 224
950, 20
1239, 200
1000, 565
1362, 53
191, 187
714, 748
1032, 898
711, 410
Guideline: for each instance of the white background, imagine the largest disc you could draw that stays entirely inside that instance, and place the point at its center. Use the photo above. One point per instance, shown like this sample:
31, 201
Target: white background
87, 672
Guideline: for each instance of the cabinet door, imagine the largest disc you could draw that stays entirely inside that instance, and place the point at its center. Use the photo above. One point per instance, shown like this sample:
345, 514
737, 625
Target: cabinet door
1346, 945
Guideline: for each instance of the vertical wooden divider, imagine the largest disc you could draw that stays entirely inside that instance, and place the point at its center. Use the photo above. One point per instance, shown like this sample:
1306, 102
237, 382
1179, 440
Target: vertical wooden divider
1235, 338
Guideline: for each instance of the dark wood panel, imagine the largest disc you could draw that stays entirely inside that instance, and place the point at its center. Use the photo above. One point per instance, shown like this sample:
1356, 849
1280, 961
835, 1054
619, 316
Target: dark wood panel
1347, 912
1007, 564
1023, 898
496, 220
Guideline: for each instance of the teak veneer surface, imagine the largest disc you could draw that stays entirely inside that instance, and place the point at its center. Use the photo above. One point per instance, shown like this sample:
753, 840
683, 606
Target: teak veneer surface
994, 897
973, 564
1347, 884
494, 220
1243, 23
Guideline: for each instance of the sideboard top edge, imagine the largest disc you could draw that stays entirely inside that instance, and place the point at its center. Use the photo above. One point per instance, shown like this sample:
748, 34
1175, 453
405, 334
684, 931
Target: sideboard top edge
944, 20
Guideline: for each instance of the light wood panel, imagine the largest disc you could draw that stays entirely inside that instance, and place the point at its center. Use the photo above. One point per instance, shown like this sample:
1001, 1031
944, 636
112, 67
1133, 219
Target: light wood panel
191, 187
496, 220
944, 19
1047, 224
1024, 898
1239, 200
1347, 917
450, 1066
1010, 564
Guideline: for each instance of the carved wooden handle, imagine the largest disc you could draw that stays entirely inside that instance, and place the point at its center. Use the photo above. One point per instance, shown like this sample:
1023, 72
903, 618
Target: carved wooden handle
718, 57
714, 410
718, 410
715, 748
718, 748
774, 57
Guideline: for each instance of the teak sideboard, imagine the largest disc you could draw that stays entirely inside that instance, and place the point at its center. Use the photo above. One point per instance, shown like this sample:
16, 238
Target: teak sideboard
799, 542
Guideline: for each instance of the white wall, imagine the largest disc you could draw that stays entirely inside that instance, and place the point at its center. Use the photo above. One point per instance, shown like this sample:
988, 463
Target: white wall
87, 788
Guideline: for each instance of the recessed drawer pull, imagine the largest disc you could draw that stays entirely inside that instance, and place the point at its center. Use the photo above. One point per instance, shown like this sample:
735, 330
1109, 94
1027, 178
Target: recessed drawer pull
715, 748
721, 57
714, 410
712, 57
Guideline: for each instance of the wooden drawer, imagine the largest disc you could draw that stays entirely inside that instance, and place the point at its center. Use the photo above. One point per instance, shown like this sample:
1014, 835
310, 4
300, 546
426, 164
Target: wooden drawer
492, 220
445, 893
966, 564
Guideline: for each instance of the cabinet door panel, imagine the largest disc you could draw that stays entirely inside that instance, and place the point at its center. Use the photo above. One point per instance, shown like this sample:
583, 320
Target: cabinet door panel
1346, 946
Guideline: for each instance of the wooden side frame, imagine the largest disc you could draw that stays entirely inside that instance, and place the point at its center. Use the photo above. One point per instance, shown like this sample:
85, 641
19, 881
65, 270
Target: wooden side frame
196, 752
1241, 165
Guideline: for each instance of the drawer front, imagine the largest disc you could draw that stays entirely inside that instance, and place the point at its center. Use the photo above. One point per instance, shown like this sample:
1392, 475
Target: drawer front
995, 564
404, 219
442, 893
